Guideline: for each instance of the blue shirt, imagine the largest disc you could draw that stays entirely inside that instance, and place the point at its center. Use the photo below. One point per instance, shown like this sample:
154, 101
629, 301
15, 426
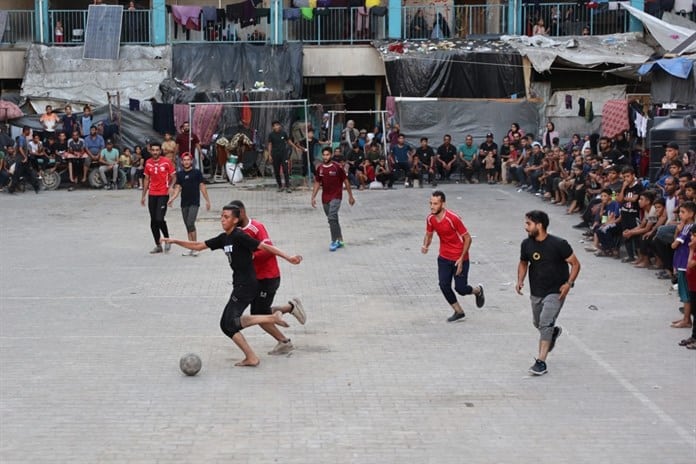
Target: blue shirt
400, 153
94, 145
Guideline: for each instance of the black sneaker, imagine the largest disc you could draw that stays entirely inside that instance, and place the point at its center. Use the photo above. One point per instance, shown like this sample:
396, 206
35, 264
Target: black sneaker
556, 333
480, 298
456, 316
580, 225
539, 368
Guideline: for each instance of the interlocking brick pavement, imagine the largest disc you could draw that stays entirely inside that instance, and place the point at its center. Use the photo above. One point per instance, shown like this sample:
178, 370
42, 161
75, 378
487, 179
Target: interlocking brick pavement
92, 328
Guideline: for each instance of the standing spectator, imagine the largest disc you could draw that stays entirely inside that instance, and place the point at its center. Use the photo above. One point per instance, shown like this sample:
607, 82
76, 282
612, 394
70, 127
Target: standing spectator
419, 27
188, 142
680, 245
549, 134
159, 175
547, 258
453, 258
189, 183
86, 120
279, 146
331, 178
690, 343
308, 146
58, 35
49, 120
169, 148
446, 158
69, 122
487, 146
125, 163
138, 167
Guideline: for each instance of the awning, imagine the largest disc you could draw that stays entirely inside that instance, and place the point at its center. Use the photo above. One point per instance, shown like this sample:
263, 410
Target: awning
677, 67
669, 36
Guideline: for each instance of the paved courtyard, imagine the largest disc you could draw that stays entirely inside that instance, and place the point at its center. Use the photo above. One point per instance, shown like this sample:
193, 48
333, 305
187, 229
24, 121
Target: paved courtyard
92, 328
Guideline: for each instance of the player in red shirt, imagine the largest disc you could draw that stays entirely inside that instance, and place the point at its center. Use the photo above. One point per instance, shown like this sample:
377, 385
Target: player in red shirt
268, 278
331, 177
453, 259
159, 176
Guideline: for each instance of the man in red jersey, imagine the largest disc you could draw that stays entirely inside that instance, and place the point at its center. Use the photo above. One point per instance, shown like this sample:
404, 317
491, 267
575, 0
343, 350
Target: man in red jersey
268, 279
159, 176
331, 178
453, 259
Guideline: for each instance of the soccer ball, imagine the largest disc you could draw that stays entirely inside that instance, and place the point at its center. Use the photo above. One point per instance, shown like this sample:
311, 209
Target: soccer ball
190, 364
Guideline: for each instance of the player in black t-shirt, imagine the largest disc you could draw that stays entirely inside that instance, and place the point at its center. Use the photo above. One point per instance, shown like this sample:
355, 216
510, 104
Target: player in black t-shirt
547, 258
239, 248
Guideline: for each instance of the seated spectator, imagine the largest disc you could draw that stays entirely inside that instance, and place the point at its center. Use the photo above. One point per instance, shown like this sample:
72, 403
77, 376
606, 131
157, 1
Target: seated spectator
37, 156
446, 158
108, 161
469, 160
77, 156
674, 169
427, 157
655, 216
515, 132
576, 190
373, 154
632, 236
415, 173
606, 226
683, 180
383, 174
95, 144
399, 158
61, 147
4, 168
23, 170
534, 169
630, 213
51, 151
354, 161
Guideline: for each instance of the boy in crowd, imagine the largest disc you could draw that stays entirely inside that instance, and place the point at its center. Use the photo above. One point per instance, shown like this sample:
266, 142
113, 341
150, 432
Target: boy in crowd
680, 245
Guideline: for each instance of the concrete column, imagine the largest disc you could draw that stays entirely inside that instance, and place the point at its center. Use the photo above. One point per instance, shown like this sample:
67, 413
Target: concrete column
395, 19
277, 36
514, 17
158, 21
634, 25
42, 32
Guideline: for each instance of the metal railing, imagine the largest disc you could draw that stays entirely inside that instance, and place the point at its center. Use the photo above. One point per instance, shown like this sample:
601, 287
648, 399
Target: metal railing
135, 27
226, 31
19, 27
335, 25
561, 19
441, 22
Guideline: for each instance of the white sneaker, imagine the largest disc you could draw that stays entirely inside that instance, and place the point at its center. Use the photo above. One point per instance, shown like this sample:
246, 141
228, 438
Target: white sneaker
194, 253
298, 310
282, 348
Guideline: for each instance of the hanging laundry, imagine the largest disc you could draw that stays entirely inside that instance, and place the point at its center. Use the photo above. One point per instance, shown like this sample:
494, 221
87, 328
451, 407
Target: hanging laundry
301, 3
581, 105
615, 117
263, 13
210, 14
181, 114
569, 102
589, 114
133, 104
372, 3
163, 118
641, 123
205, 122
307, 13
235, 11
187, 16
291, 14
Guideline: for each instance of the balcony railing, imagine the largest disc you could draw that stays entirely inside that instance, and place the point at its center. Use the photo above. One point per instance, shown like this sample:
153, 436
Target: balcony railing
572, 19
135, 27
336, 25
19, 27
440, 22
217, 32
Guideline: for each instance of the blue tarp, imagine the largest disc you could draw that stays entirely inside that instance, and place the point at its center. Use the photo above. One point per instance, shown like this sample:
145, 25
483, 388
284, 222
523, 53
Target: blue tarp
677, 67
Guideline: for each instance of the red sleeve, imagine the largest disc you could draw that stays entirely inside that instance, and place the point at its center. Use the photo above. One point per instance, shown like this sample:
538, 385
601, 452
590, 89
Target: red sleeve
342, 172
459, 225
148, 168
428, 226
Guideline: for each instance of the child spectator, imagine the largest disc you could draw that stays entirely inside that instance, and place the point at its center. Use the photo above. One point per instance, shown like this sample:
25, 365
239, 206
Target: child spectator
489, 166
651, 218
680, 245
415, 172
58, 32
383, 174
125, 163
605, 226
137, 167
690, 342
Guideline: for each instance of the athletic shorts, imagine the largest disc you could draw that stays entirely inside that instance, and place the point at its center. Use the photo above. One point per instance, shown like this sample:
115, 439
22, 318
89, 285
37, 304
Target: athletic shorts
264, 297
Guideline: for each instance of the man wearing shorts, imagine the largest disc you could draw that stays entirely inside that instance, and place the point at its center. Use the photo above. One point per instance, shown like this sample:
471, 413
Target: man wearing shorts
159, 174
547, 258
453, 259
268, 279
239, 248
189, 183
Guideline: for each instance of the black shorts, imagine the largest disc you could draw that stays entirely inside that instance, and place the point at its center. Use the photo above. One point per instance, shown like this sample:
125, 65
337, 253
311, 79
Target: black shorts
157, 204
264, 296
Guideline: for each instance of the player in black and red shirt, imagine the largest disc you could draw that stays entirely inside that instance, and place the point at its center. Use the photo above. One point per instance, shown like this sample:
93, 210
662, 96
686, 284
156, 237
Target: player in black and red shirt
268, 278
239, 248
453, 259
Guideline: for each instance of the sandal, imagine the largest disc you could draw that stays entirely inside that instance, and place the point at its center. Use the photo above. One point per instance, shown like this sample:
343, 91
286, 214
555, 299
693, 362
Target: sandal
687, 341
691, 346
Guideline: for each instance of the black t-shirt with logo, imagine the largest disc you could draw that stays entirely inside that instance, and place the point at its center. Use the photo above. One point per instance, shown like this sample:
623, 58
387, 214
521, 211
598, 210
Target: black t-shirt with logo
190, 182
279, 143
548, 269
629, 207
239, 248
425, 155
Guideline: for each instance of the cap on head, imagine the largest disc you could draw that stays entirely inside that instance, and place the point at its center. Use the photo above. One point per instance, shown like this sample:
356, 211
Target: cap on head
673, 145
490, 134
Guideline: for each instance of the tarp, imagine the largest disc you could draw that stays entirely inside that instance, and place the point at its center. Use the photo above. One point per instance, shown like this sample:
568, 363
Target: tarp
581, 51
665, 88
433, 118
669, 36
239, 66
677, 67
61, 73
455, 68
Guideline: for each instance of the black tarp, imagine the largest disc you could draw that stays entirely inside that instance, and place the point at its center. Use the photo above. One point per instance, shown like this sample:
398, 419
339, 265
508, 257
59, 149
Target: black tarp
665, 88
239, 66
483, 72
